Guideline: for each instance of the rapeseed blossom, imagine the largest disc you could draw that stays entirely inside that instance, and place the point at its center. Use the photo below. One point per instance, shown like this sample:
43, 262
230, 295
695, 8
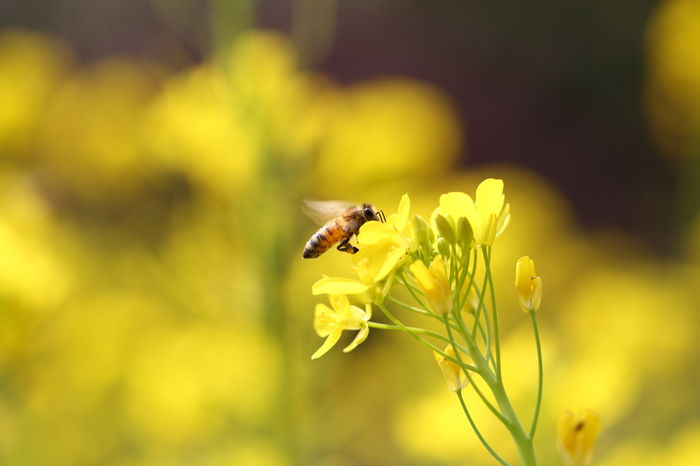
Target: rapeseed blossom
330, 322
434, 284
528, 285
383, 246
453, 374
488, 215
436, 265
576, 436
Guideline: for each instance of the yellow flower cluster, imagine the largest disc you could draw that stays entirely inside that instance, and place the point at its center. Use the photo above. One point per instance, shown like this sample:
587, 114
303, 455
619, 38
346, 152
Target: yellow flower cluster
436, 264
421, 254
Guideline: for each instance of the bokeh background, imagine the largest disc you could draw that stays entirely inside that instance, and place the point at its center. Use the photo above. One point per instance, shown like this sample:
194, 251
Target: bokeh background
154, 306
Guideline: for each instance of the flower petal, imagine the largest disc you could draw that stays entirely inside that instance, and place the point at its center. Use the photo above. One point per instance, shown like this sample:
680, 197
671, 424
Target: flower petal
341, 304
503, 220
489, 196
402, 213
390, 262
325, 320
338, 285
523, 275
375, 232
328, 344
420, 271
359, 338
456, 205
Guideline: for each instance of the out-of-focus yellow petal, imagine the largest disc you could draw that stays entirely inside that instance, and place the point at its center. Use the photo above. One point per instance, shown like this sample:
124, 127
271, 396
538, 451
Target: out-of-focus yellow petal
576, 437
489, 196
457, 205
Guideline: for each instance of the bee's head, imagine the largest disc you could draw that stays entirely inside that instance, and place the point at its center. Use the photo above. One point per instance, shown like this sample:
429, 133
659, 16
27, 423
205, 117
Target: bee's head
371, 213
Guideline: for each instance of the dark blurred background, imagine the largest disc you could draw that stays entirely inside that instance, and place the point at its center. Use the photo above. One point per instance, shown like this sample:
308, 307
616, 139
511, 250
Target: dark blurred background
553, 87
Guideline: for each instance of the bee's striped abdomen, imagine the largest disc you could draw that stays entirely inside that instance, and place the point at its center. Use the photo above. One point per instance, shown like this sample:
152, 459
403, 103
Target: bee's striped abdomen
323, 239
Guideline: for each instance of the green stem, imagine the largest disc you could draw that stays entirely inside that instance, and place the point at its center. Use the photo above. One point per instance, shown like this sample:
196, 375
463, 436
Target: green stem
459, 303
420, 331
521, 439
409, 307
422, 312
476, 430
412, 289
538, 403
487, 260
483, 372
423, 340
465, 333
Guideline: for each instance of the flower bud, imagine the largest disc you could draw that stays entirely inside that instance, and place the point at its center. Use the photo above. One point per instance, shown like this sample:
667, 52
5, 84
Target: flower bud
423, 234
528, 285
443, 247
453, 374
465, 234
576, 437
445, 229
434, 284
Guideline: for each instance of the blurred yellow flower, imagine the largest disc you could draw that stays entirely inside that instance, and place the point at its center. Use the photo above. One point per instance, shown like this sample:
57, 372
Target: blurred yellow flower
383, 246
330, 323
183, 382
287, 109
576, 437
34, 271
91, 126
32, 67
191, 128
528, 285
389, 128
455, 378
434, 284
487, 215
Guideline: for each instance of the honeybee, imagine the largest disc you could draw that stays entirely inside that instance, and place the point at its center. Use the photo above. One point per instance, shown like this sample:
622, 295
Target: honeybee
340, 221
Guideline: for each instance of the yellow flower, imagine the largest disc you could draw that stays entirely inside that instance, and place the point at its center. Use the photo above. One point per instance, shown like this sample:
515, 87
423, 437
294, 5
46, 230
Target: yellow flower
434, 283
488, 215
453, 374
577, 434
528, 284
338, 286
383, 246
330, 322
366, 294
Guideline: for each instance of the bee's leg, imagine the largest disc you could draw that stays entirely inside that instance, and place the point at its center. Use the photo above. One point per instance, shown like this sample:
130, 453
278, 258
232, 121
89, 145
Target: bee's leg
345, 246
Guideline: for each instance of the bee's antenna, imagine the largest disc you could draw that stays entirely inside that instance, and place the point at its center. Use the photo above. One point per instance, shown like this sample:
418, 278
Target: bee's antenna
381, 216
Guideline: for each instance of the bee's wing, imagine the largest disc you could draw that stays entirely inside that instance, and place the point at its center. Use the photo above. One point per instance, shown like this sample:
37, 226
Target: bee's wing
322, 211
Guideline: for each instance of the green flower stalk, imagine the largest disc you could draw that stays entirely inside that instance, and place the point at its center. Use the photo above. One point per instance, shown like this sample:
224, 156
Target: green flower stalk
445, 266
